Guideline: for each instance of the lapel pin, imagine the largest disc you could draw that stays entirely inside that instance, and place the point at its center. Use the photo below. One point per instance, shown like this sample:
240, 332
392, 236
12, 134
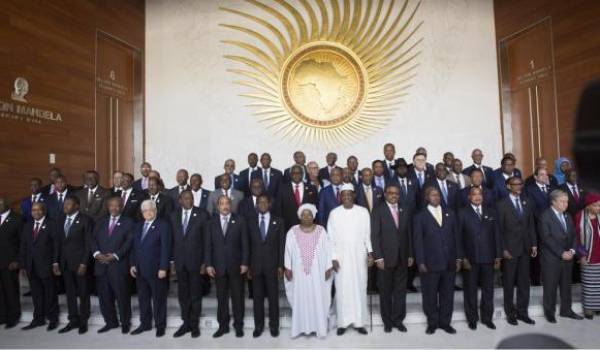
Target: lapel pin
524, 202
118, 224
77, 221
485, 217
446, 214
43, 227
194, 214
233, 221
152, 227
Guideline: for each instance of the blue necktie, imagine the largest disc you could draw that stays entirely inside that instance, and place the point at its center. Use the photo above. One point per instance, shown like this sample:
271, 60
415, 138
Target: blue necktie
145, 231
561, 217
263, 228
185, 222
444, 192
518, 205
420, 179
67, 226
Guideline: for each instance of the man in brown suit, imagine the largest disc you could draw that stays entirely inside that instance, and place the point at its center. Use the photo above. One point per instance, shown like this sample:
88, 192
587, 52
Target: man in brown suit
93, 197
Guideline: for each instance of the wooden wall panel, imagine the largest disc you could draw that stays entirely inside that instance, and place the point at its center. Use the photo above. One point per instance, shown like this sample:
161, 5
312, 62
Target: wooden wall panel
576, 46
53, 45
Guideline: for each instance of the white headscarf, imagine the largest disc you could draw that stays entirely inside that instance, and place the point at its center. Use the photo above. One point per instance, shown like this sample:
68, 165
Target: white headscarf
309, 207
347, 187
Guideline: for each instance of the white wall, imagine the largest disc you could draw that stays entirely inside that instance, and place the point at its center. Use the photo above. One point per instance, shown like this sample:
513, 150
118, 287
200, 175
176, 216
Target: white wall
195, 118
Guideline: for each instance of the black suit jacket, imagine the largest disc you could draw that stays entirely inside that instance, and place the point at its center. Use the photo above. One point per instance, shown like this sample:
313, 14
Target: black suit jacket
131, 208
324, 175
361, 198
480, 237
487, 171
74, 248
227, 252
275, 178
285, 203
393, 245
554, 240
452, 188
164, 205
489, 200
38, 255
188, 247
539, 199
435, 246
96, 208
235, 184
517, 231
10, 239
288, 178
266, 256
412, 199
574, 205
244, 180
173, 193
118, 243
247, 209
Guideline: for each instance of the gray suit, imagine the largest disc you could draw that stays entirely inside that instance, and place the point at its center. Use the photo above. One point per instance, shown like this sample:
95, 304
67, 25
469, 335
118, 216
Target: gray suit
236, 197
554, 240
96, 208
466, 180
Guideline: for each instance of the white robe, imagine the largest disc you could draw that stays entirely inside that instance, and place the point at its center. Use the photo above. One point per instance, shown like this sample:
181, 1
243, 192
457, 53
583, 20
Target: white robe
309, 295
350, 235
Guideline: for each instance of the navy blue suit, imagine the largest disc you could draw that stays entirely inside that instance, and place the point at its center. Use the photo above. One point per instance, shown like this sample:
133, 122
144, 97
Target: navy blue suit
244, 180
235, 182
499, 184
487, 174
54, 206
540, 200
26, 207
113, 278
150, 254
482, 245
327, 202
437, 247
451, 202
489, 200
275, 178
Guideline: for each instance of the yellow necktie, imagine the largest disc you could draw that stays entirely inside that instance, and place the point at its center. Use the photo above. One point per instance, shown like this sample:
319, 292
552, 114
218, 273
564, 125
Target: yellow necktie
438, 215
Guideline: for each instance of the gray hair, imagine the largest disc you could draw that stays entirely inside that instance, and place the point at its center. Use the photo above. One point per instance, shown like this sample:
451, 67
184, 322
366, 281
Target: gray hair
148, 204
555, 194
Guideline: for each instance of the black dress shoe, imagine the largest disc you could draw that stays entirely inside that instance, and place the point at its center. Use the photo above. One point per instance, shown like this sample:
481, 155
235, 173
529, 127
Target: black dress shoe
588, 316
512, 320
401, 327
70, 326
550, 318
140, 330
411, 289
572, 315
361, 330
107, 328
160, 332
489, 324
33, 324
473, 325
457, 288
274, 332
181, 331
239, 333
525, 319
83, 328
341, 330
125, 329
52, 326
11, 324
257, 332
449, 329
195, 332
430, 330
387, 329
220, 332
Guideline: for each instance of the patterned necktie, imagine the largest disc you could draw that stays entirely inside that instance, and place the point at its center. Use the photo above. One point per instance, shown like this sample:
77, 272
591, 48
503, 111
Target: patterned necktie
420, 179
111, 226
518, 205
402, 188
89, 197
124, 197
444, 192
478, 211
438, 215
563, 223
338, 197
395, 215
145, 231
224, 225
297, 195
153, 198
369, 195
67, 226
575, 194
36, 230
184, 225
266, 178
263, 228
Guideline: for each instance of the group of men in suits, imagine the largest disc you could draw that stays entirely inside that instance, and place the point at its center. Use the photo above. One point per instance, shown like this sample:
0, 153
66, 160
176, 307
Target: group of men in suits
427, 220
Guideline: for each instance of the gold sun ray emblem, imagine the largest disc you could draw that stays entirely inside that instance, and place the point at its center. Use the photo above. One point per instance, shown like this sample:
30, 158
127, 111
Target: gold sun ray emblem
326, 73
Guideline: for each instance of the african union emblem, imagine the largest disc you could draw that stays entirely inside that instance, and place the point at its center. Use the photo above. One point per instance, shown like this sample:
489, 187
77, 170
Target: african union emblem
327, 79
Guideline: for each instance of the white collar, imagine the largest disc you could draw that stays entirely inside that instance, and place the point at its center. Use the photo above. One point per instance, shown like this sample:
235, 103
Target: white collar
72, 216
93, 190
40, 221
475, 207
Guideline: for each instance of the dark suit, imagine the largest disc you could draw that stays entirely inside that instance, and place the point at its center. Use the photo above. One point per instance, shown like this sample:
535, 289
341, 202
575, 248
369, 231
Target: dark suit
174, 193
328, 200
205, 195
188, 254
481, 246
487, 174
244, 180
437, 247
285, 204
164, 205
556, 272
226, 252
131, 208
54, 204
247, 207
10, 240
74, 249
37, 256
540, 200
390, 172
288, 178
275, 179
489, 201
517, 231
393, 245
414, 177
410, 197
266, 256
361, 196
96, 208
499, 183
137, 185
531, 180
449, 202
26, 207
112, 278
324, 175
235, 182
575, 203
150, 254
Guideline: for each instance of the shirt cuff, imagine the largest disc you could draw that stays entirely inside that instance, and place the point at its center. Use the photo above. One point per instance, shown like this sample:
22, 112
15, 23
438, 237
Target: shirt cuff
116, 256
96, 253
378, 260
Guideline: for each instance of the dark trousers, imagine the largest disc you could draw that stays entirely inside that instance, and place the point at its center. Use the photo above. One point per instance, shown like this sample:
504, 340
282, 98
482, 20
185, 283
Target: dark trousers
412, 273
45, 299
438, 297
114, 285
152, 295
266, 284
557, 274
230, 284
190, 286
515, 272
77, 286
10, 304
479, 275
392, 294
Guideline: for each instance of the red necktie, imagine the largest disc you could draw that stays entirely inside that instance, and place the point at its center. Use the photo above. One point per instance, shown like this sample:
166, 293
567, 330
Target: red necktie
575, 194
36, 230
338, 197
297, 196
